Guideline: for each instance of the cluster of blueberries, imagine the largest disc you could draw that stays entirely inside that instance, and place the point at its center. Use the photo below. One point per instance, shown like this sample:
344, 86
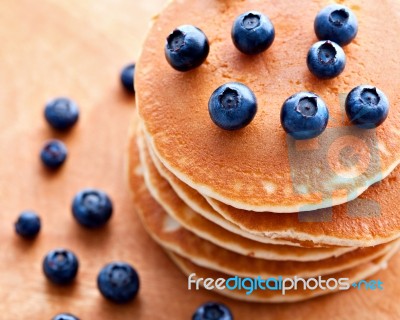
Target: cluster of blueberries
117, 281
92, 208
63, 113
304, 115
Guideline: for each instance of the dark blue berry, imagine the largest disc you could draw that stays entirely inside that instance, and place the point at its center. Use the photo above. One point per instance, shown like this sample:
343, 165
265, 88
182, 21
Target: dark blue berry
118, 282
186, 48
92, 208
367, 107
232, 106
65, 316
53, 154
252, 32
28, 224
61, 113
326, 60
128, 78
336, 23
212, 311
304, 116
60, 266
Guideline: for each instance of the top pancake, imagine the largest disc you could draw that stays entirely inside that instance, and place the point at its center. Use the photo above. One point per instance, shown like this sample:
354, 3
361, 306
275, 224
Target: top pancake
259, 168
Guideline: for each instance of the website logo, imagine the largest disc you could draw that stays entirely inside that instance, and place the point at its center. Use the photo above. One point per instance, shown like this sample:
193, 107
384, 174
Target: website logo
281, 284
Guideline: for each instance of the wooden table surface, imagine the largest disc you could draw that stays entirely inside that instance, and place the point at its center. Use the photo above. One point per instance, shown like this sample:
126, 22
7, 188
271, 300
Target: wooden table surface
77, 48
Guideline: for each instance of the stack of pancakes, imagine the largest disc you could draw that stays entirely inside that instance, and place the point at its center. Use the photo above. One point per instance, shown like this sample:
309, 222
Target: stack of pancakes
254, 202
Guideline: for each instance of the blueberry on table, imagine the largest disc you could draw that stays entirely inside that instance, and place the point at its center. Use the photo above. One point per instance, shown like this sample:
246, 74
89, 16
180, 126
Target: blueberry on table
118, 282
252, 32
367, 107
61, 113
54, 154
60, 266
212, 311
336, 23
128, 78
92, 208
326, 60
28, 224
232, 106
304, 116
186, 48
65, 316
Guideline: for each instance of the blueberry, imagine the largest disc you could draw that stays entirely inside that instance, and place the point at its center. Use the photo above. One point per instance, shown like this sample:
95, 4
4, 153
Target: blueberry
232, 106
367, 107
336, 23
28, 224
60, 266
118, 282
186, 48
304, 116
92, 208
65, 316
326, 60
61, 113
53, 154
212, 311
128, 78
252, 32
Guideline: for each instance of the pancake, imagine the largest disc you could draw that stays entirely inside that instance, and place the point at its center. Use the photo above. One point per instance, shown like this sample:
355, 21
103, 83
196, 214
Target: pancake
355, 274
171, 235
368, 220
200, 205
259, 168
191, 220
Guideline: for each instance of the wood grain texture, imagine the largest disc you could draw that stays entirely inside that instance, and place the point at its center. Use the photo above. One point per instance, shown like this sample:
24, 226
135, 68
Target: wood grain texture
76, 48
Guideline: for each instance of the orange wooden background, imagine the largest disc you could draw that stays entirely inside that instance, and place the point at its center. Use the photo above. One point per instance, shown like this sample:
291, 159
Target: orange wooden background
77, 48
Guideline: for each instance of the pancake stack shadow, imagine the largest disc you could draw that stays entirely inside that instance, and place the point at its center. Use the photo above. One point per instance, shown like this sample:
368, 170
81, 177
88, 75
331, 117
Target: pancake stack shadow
210, 239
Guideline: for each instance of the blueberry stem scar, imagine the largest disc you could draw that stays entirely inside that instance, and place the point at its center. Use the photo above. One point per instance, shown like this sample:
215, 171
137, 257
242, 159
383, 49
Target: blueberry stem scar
370, 96
176, 40
251, 21
307, 106
229, 98
327, 53
339, 17
118, 276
